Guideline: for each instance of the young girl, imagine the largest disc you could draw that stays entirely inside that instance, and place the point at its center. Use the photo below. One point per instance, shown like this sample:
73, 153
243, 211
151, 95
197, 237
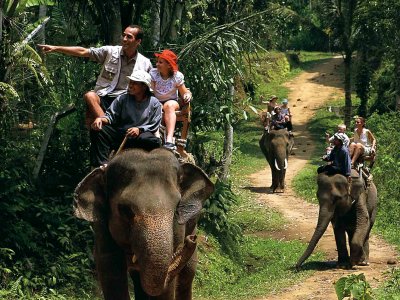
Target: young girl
167, 81
286, 110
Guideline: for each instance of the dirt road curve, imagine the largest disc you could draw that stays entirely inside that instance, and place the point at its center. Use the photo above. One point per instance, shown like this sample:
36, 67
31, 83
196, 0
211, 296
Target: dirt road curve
309, 91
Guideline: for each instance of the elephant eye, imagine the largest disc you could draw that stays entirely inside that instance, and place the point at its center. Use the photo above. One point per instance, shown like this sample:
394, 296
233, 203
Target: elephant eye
125, 211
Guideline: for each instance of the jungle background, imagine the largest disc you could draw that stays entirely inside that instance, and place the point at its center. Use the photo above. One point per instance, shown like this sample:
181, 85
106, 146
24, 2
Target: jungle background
231, 53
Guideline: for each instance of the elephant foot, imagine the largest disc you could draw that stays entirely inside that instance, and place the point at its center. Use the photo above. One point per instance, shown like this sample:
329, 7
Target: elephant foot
363, 263
279, 190
343, 265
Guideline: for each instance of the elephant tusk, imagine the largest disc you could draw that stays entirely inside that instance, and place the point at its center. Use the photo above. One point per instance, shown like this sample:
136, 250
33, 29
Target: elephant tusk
134, 258
276, 165
285, 164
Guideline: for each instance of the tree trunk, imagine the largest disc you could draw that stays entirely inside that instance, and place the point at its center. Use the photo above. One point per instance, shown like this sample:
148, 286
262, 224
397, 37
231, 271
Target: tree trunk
165, 17
176, 20
155, 16
115, 24
139, 5
228, 145
1, 21
42, 32
347, 88
398, 102
127, 9
110, 18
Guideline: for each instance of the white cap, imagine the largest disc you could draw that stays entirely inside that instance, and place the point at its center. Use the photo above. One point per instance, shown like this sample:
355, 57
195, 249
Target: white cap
141, 76
340, 136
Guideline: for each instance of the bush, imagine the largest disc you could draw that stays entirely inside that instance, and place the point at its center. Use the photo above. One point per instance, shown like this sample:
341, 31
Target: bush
385, 171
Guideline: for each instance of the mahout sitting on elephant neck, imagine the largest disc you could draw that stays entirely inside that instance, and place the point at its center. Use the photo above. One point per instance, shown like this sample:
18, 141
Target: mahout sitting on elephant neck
144, 207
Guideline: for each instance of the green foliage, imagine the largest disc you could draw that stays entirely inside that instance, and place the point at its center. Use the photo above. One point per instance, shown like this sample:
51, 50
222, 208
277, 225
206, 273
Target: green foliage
213, 59
215, 219
354, 286
385, 171
384, 87
266, 266
391, 288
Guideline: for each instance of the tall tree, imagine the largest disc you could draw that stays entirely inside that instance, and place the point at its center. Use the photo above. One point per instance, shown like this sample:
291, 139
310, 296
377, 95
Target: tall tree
339, 16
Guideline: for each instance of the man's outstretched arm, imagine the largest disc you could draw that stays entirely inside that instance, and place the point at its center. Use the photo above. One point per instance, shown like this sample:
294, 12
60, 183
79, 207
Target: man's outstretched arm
68, 50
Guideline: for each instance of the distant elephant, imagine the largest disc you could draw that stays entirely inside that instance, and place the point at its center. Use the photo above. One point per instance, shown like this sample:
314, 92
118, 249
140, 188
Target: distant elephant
144, 207
353, 214
276, 145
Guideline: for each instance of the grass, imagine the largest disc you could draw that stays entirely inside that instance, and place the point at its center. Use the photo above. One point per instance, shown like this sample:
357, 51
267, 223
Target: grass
267, 267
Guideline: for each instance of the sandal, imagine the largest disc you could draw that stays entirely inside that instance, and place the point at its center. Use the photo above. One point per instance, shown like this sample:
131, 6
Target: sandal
170, 146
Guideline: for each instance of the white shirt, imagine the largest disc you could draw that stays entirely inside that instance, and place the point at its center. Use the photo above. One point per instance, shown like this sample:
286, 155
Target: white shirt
166, 89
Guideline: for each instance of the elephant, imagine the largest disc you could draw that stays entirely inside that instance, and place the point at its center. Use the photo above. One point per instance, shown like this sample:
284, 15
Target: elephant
351, 211
276, 145
144, 208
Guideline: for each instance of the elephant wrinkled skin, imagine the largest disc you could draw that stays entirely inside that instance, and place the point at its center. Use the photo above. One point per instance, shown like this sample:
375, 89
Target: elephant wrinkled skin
144, 207
354, 215
276, 146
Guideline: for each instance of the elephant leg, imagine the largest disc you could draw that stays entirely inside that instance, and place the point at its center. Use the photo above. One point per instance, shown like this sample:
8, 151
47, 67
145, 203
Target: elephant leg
110, 264
362, 230
341, 245
137, 287
185, 280
282, 180
111, 268
275, 178
364, 261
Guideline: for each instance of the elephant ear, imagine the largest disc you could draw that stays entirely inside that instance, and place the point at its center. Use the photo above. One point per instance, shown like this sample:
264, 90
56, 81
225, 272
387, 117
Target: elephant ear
89, 196
195, 188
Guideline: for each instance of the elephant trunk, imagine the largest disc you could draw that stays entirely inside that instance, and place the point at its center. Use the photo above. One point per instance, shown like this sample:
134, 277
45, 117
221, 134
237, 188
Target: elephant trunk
324, 217
154, 258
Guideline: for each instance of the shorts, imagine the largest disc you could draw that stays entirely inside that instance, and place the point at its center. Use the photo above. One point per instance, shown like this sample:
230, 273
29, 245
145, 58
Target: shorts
164, 101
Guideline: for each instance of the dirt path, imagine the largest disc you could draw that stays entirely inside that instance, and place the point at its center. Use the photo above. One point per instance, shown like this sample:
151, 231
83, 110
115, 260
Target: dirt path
309, 91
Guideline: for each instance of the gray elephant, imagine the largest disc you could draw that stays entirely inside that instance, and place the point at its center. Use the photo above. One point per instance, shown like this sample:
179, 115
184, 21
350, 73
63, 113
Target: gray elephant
144, 207
352, 213
276, 145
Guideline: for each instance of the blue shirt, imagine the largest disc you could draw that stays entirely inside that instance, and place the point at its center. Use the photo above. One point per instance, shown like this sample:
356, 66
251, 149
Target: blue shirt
340, 158
125, 112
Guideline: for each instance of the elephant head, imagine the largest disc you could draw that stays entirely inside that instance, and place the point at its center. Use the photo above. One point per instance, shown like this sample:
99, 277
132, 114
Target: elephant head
350, 211
144, 207
275, 145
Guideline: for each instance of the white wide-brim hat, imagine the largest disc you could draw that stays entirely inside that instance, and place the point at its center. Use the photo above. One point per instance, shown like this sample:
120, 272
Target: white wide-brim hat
141, 76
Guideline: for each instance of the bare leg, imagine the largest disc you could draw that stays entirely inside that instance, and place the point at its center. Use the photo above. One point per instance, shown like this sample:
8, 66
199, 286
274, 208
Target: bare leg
359, 149
351, 149
93, 109
170, 118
